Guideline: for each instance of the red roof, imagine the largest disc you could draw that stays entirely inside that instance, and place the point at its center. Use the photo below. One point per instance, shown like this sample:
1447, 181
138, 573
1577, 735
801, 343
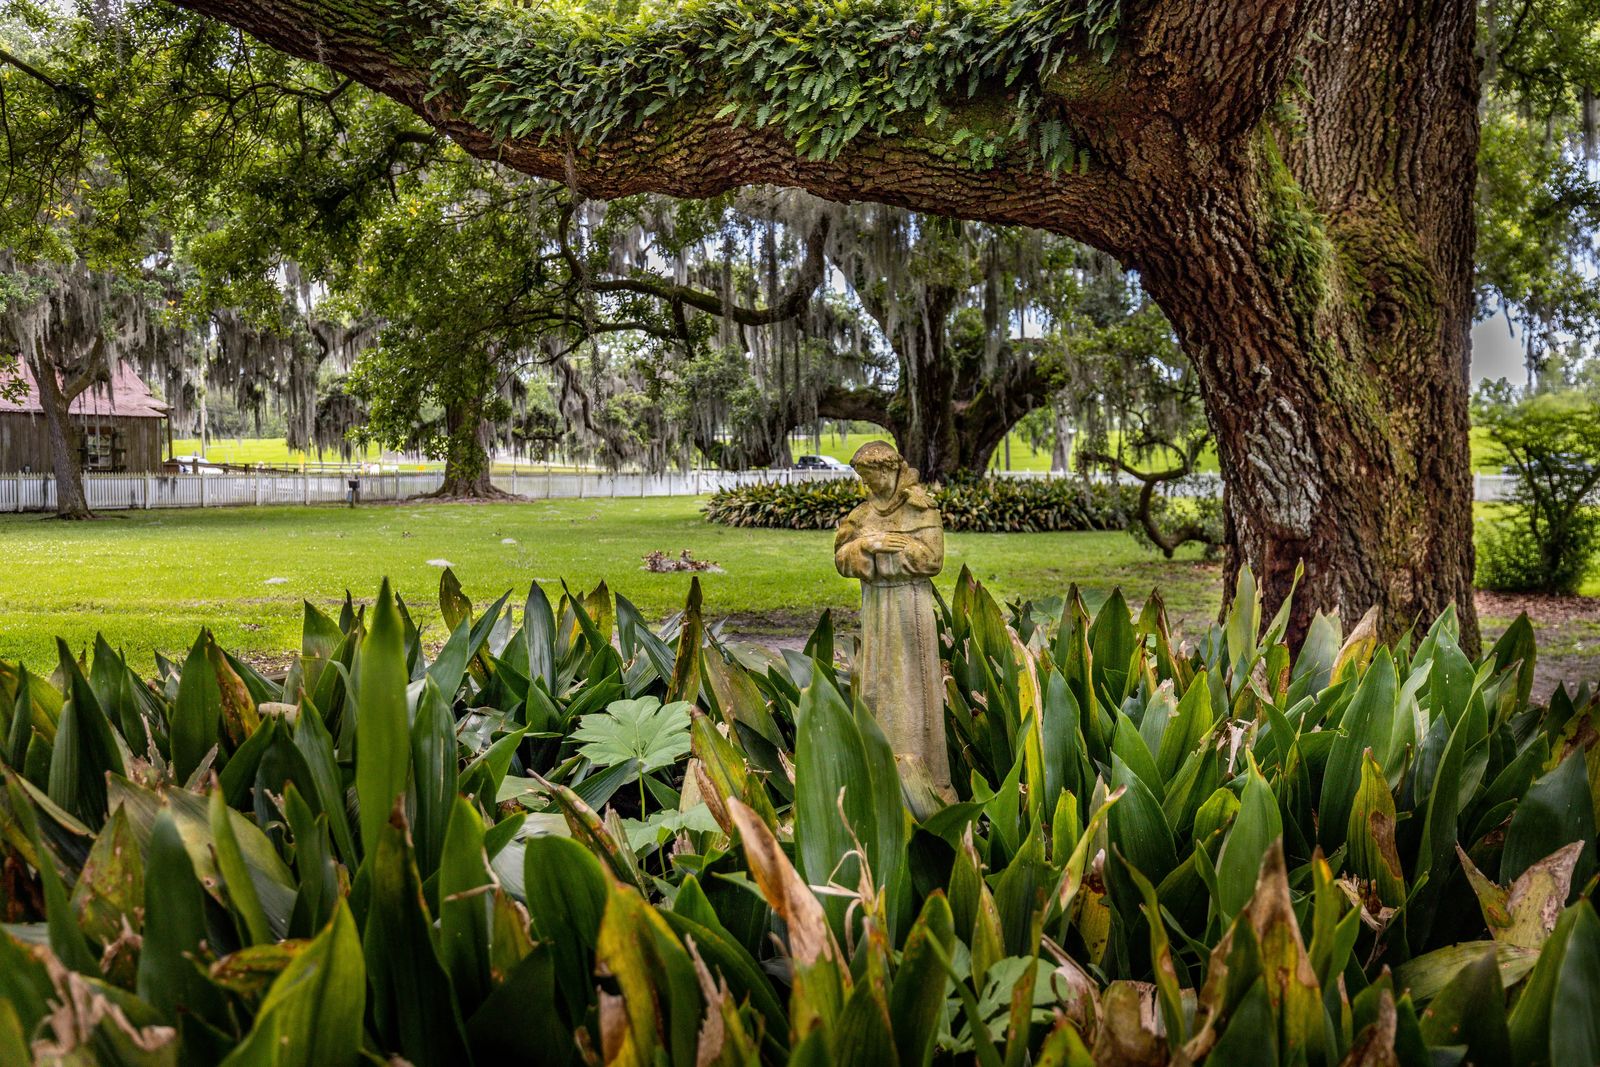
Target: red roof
126, 396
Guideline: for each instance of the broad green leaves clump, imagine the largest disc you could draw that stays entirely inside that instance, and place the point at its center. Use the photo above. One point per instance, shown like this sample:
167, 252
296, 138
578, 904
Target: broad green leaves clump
1216, 852
978, 505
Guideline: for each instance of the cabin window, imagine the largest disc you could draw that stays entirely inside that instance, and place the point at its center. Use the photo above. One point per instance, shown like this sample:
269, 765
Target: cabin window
101, 449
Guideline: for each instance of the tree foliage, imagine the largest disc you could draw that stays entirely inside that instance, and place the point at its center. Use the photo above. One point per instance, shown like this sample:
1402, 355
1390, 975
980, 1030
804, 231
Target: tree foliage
1539, 194
1548, 542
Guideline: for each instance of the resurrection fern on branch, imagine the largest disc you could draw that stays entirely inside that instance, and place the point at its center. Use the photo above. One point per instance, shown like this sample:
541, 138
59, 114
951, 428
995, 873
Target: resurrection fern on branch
822, 74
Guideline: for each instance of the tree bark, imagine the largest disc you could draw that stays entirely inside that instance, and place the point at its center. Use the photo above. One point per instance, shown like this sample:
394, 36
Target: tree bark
1319, 277
466, 460
56, 403
1326, 304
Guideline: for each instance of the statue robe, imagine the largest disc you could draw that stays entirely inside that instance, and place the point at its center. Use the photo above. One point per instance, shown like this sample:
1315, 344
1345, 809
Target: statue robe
897, 671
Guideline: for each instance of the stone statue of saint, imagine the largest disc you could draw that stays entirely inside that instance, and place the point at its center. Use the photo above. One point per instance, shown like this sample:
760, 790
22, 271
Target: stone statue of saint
894, 543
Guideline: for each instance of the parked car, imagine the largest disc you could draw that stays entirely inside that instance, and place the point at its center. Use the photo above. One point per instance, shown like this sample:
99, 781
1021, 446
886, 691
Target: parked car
820, 463
191, 465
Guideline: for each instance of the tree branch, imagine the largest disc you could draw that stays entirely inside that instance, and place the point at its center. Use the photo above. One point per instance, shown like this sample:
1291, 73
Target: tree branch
689, 151
679, 296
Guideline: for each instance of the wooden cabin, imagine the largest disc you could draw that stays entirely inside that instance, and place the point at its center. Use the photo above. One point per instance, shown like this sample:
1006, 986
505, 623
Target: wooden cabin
121, 426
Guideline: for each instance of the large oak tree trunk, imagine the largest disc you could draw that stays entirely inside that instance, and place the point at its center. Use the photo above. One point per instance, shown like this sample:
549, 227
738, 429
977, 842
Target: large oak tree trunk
65, 455
1323, 290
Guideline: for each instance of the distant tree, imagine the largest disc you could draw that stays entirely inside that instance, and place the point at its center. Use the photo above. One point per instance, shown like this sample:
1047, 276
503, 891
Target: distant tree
1134, 400
71, 325
115, 126
1547, 542
1538, 190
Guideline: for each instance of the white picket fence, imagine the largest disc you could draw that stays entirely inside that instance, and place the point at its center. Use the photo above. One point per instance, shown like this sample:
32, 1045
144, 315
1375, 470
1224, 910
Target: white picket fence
122, 492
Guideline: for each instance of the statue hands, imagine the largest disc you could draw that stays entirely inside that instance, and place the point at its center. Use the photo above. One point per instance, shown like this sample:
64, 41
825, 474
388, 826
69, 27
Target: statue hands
887, 543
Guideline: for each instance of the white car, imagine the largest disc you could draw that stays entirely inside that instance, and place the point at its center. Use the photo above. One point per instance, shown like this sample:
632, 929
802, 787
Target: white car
195, 465
821, 463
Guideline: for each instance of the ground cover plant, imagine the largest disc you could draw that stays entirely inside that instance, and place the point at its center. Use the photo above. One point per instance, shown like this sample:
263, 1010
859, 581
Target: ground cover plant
980, 505
569, 837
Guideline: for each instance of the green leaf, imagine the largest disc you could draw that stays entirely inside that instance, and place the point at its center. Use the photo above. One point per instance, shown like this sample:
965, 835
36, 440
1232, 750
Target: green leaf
312, 1013
1371, 835
383, 730
197, 712
311, 737
1471, 1011
1575, 1035
434, 767
539, 632
414, 1008
464, 881
1556, 811
236, 878
66, 936
314, 864
1243, 624
661, 995
110, 888
1139, 825
847, 797
566, 897
644, 729
1255, 828
450, 667
1366, 724
174, 929
85, 749
685, 681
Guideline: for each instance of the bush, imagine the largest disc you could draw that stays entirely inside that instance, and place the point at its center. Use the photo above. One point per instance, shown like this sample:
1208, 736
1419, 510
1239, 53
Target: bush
568, 837
1547, 538
976, 505
1517, 555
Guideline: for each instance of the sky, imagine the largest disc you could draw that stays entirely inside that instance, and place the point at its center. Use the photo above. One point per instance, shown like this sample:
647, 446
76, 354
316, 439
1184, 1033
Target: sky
1497, 351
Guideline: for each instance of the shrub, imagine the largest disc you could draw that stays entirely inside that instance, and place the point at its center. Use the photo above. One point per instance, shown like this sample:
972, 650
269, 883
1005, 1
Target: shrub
1546, 538
1220, 854
976, 505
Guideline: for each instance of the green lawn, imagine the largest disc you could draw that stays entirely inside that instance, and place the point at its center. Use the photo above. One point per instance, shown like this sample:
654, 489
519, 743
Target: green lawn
149, 580
271, 450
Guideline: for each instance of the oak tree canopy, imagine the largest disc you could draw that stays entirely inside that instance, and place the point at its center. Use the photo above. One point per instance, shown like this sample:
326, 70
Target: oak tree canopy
1292, 179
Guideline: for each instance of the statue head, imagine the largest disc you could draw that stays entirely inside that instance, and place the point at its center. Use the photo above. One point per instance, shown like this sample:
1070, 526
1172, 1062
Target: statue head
882, 469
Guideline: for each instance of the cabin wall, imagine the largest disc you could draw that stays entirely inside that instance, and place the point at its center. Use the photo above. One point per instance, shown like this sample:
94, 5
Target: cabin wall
25, 442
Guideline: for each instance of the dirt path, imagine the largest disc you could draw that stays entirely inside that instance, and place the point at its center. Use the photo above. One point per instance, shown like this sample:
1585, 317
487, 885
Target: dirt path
1567, 629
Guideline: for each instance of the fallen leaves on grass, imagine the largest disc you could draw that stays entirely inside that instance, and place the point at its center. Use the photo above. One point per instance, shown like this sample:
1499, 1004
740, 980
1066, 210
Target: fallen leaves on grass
661, 563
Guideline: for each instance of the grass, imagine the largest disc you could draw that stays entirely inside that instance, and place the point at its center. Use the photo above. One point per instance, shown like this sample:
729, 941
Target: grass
275, 451
150, 580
